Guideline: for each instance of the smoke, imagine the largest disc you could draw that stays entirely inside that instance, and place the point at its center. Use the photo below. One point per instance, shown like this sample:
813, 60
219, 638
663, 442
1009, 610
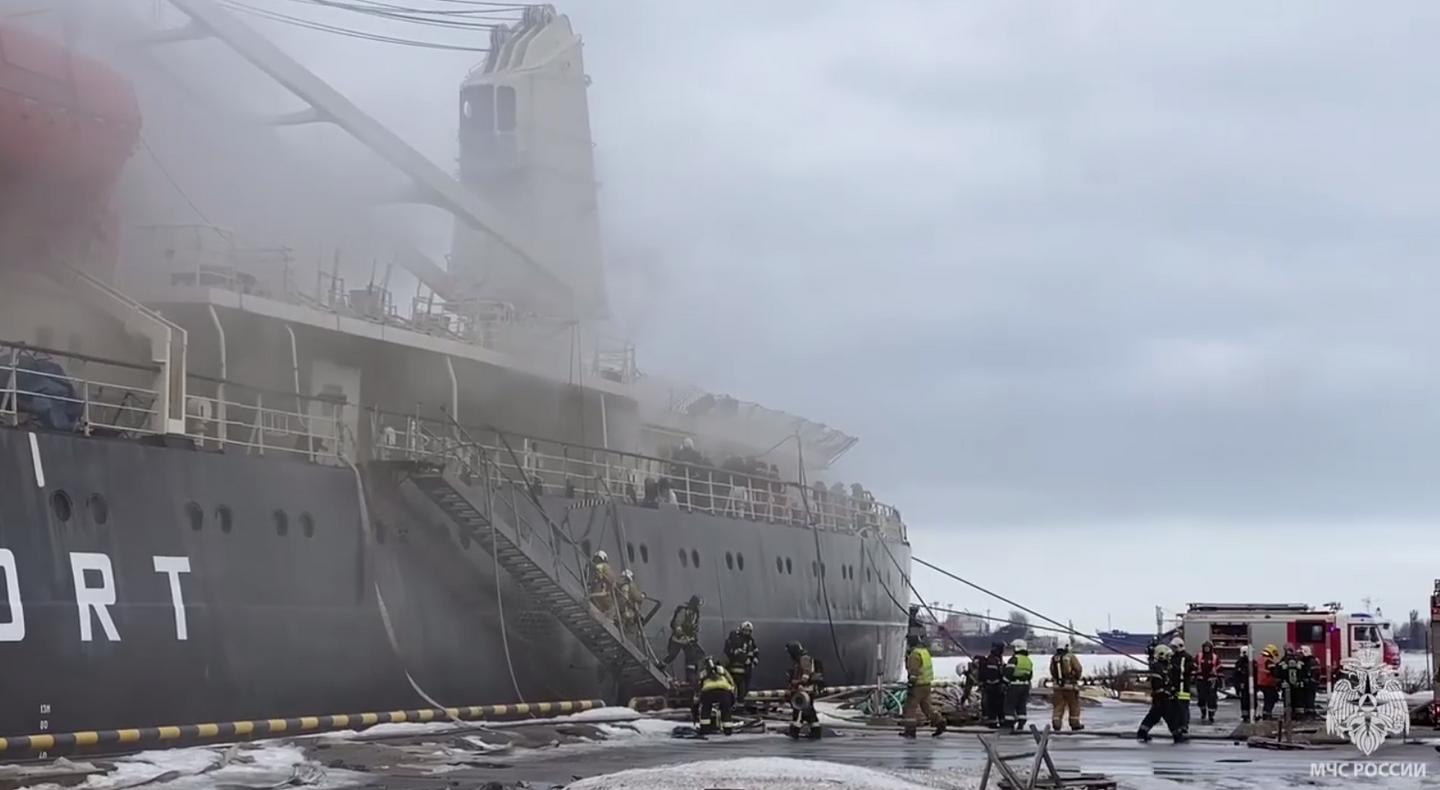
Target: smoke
211, 155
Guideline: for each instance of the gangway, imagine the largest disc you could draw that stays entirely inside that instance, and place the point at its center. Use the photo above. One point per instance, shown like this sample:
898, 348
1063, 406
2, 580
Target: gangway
492, 520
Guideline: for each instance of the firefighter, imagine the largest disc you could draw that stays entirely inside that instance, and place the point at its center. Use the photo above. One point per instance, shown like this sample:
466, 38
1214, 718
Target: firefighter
1065, 673
1290, 672
1018, 672
1182, 664
1163, 690
1207, 682
921, 675
990, 675
1267, 681
632, 601
1240, 678
716, 699
804, 685
685, 637
602, 582
1310, 681
1064, 681
741, 655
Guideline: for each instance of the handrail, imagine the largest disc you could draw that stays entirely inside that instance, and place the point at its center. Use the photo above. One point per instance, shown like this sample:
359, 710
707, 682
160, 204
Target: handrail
576, 472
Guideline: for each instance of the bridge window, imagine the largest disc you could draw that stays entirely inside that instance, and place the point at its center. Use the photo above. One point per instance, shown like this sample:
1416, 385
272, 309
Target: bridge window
307, 525
99, 510
61, 505
195, 515
684, 559
505, 111
223, 515
729, 560
282, 523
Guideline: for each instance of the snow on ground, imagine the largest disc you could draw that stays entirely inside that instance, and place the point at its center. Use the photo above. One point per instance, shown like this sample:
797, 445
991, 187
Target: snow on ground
774, 773
261, 764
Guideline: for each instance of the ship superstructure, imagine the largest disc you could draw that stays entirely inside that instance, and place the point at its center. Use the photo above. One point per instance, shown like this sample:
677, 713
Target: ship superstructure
274, 490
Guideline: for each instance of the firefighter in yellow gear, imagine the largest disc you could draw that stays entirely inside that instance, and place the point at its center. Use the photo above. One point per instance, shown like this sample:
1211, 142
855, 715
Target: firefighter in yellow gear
632, 602
921, 673
602, 583
716, 701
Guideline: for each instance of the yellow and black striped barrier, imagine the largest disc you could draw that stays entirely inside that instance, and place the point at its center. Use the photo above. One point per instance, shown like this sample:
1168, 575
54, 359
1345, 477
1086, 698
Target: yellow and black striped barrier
271, 728
643, 704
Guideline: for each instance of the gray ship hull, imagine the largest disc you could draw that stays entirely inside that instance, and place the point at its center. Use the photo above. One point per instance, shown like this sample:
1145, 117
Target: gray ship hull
152, 585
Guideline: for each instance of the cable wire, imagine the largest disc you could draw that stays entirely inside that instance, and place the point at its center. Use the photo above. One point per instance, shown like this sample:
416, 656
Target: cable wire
345, 32
1026, 609
165, 171
819, 558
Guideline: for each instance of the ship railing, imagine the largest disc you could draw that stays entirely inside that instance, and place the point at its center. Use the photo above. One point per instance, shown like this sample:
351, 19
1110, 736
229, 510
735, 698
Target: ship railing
578, 471
260, 422
57, 390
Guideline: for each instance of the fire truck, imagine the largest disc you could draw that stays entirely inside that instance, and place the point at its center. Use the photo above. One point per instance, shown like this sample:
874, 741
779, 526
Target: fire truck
1331, 634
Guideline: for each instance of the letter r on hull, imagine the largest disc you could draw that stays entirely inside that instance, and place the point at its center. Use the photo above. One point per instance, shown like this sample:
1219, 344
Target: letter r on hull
173, 567
96, 599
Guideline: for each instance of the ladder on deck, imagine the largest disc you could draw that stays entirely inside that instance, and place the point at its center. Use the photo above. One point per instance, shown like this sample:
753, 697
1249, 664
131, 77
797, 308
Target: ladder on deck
560, 590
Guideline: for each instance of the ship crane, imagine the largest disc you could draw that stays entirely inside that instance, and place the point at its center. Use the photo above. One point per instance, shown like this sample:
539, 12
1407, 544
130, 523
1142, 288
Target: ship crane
326, 105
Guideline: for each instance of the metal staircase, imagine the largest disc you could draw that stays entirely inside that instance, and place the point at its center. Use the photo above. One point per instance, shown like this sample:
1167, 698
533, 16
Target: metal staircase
495, 523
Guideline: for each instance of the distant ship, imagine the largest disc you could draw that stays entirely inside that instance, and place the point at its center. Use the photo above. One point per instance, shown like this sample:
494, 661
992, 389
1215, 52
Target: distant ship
1125, 641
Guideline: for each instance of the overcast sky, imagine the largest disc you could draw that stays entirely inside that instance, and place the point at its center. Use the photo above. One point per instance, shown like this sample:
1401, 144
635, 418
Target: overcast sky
1130, 304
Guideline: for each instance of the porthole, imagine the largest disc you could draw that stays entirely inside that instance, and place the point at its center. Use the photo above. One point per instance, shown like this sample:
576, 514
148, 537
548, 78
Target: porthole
790, 569
695, 558
224, 518
307, 525
684, 559
99, 509
62, 507
630, 552
282, 523
644, 554
195, 515
779, 565
740, 561
729, 561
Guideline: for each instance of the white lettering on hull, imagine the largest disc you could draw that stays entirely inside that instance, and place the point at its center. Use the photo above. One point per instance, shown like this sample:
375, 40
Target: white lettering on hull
13, 631
173, 567
94, 599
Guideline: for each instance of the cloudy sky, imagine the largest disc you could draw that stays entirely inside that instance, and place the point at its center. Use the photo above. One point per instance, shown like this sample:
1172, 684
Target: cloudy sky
1131, 304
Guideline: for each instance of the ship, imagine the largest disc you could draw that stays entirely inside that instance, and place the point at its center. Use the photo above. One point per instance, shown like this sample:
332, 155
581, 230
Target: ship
1126, 641
239, 485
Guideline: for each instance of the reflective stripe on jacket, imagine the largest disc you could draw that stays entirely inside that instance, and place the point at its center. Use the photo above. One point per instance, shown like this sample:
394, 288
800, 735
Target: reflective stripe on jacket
1021, 668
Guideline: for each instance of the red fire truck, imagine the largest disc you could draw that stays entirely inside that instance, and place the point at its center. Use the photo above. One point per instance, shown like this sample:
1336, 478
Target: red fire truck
1331, 634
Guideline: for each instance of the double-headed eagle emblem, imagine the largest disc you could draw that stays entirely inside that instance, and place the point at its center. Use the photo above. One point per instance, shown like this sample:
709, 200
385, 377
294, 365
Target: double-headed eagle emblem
1367, 702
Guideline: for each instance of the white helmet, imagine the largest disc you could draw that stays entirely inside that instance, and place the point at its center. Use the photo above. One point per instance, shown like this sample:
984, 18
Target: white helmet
628, 575
1162, 651
1177, 643
601, 556
747, 626
1018, 644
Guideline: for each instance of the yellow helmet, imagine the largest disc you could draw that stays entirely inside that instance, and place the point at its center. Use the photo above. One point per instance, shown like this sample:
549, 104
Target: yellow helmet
1271, 650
